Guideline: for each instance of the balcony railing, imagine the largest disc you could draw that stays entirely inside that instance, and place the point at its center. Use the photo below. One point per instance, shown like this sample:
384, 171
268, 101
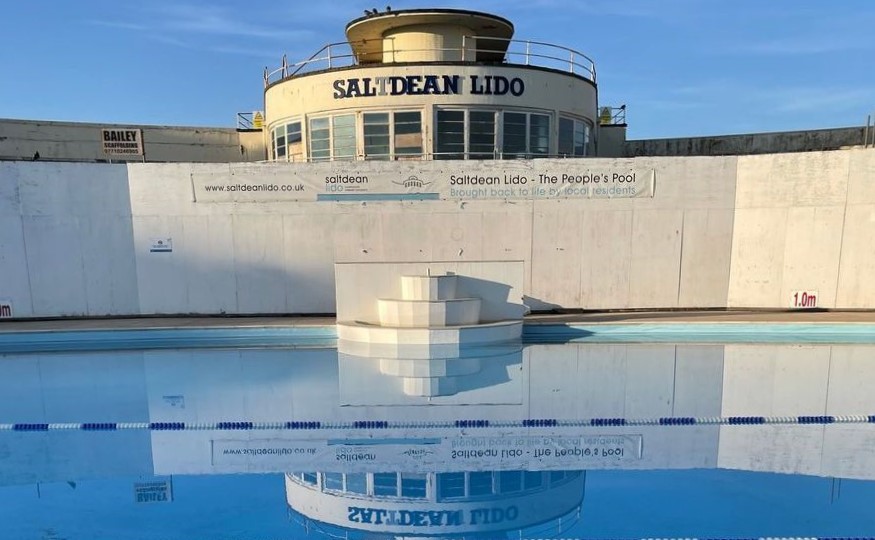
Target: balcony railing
518, 52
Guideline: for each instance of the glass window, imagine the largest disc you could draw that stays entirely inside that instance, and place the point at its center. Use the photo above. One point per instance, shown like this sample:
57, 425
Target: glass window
333, 481
533, 479
386, 484
525, 135
413, 485
376, 132
573, 137
320, 139
479, 483
451, 485
450, 135
556, 476
343, 133
309, 478
294, 149
481, 142
279, 142
539, 134
514, 135
357, 483
510, 481
408, 134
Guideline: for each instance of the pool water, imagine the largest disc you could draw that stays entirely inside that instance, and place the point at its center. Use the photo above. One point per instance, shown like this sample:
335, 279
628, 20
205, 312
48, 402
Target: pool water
568, 440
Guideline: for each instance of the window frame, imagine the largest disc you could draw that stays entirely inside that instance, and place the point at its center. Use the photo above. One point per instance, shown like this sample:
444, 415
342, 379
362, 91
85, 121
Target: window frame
393, 154
466, 153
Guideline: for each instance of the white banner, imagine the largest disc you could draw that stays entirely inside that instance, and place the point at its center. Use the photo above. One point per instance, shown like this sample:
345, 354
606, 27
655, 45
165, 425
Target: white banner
6, 311
437, 180
461, 453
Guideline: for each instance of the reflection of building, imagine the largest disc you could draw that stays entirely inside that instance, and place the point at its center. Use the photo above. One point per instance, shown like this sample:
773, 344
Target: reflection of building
432, 84
437, 504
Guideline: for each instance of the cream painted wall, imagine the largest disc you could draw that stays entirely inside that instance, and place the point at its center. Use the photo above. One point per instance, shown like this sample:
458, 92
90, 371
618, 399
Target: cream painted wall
720, 231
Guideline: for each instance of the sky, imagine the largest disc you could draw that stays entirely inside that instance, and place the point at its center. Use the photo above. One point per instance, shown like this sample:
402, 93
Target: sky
682, 67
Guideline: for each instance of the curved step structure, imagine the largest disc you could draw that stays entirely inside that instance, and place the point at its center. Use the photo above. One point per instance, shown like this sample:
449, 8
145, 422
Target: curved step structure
425, 313
429, 338
458, 336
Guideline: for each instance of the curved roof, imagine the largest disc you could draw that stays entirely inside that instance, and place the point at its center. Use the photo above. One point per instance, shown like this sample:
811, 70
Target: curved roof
365, 34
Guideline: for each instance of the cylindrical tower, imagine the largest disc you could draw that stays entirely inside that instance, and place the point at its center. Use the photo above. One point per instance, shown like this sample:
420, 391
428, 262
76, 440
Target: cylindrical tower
432, 84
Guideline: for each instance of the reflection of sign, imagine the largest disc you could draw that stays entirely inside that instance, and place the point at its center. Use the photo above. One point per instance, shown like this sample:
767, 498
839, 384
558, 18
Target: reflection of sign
433, 518
494, 180
6, 309
161, 245
151, 492
551, 452
122, 142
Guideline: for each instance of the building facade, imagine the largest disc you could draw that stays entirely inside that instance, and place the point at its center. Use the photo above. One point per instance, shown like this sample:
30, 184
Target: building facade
432, 84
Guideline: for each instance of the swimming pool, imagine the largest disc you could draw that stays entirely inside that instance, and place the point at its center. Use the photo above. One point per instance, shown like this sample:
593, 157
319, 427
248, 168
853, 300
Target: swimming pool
579, 439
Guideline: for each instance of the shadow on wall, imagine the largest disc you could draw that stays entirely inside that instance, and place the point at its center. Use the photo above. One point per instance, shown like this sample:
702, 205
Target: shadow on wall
537, 305
494, 296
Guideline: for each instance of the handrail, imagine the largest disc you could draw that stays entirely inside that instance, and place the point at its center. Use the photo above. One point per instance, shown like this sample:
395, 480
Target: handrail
532, 54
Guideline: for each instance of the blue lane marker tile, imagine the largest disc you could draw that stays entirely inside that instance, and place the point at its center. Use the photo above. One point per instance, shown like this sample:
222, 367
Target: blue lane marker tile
234, 425
471, 423
303, 425
30, 427
167, 426
99, 426
746, 420
607, 422
815, 419
872, 419
677, 421
546, 422
366, 424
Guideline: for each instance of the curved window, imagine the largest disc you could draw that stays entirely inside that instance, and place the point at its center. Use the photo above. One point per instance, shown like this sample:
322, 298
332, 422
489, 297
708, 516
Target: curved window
332, 138
395, 135
465, 134
286, 142
574, 137
525, 135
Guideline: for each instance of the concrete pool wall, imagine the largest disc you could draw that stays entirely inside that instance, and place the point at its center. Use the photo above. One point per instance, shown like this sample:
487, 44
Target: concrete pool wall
76, 239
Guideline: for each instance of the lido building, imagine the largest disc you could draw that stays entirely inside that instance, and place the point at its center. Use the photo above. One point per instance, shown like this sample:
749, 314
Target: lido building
431, 84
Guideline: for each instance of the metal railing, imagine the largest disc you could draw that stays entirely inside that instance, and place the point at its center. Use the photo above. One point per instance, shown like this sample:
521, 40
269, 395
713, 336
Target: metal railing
612, 116
250, 120
517, 52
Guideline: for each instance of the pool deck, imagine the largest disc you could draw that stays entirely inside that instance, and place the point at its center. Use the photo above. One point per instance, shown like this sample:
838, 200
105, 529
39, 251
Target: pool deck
581, 318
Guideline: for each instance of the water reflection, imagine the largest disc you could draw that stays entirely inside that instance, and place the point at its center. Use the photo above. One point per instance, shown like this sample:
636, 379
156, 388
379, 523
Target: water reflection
393, 461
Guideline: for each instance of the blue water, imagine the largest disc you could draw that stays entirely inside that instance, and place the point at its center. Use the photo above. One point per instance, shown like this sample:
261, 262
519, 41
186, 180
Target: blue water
707, 440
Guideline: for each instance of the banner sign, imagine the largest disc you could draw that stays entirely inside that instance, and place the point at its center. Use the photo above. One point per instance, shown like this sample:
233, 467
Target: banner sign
122, 142
461, 453
444, 180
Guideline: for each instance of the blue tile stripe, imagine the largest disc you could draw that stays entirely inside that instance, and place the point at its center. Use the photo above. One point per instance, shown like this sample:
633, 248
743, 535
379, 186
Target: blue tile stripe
242, 425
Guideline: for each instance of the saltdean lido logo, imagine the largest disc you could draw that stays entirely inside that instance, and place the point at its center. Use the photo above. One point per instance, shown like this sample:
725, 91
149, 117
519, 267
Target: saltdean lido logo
428, 85
412, 182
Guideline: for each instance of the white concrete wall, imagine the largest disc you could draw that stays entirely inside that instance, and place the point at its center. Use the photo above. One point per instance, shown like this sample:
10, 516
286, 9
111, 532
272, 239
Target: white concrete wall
74, 141
804, 222
720, 231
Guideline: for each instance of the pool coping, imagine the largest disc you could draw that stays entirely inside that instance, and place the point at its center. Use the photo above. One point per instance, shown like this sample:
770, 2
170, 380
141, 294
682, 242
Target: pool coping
322, 335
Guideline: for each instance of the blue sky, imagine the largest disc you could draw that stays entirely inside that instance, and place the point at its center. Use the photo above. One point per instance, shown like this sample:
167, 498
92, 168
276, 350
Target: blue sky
682, 67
